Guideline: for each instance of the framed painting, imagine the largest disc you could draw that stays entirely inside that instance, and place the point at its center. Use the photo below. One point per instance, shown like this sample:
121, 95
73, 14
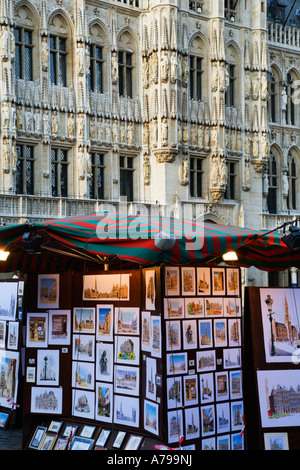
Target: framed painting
37, 437
48, 291
276, 441
81, 443
119, 439
48, 442
103, 436
134, 442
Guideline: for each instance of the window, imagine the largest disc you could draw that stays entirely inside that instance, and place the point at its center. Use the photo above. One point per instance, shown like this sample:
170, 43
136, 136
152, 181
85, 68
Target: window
290, 111
272, 193
230, 93
196, 78
126, 177
58, 60
24, 169
292, 180
196, 177
96, 182
125, 74
272, 97
95, 79
23, 53
59, 172
230, 192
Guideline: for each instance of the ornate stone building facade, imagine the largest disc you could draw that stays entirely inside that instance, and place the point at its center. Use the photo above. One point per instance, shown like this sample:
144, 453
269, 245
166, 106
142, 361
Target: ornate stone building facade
176, 105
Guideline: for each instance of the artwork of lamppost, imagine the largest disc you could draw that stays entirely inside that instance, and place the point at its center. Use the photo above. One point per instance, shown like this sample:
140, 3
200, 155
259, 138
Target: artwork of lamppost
269, 302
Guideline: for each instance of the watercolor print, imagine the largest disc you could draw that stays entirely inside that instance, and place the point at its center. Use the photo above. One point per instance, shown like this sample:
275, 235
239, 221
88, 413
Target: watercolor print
127, 320
150, 289
83, 375
232, 358
234, 332
151, 372
145, 326
221, 386
59, 327
37, 330
232, 307
9, 366
174, 392
175, 425
2, 334
173, 334
223, 442
127, 380
155, 335
194, 307
278, 391
235, 379
151, 417
46, 400
208, 423
214, 307
127, 350
192, 423
281, 305
206, 360
177, 363
83, 320
190, 387
208, 444
83, 405
173, 308
83, 348
8, 302
126, 412
104, 321
47, 367
237, 413
205, 334
48, 291
233, 281
106, 287
206, 387
203, 281
237, 441
189, 334
104, 362
172, 286
188, 281
220, 333
104, 402
218, 281
223, 417
276, 441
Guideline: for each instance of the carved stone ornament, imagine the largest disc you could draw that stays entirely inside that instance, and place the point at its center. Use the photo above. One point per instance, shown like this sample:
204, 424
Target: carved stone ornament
165, 156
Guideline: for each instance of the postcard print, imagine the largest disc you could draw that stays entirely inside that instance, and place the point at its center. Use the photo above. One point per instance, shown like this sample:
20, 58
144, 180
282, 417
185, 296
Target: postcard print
203, 281
188, 281
83, 404
83, 320
189, 334
46, 400
59, 326
104, 361
172, 286
37, 330
205, 334
48, 291
127, 380
151, 423
126, 412
104, 321
173, 308
127, 320
104, 402
194, 307
8, 303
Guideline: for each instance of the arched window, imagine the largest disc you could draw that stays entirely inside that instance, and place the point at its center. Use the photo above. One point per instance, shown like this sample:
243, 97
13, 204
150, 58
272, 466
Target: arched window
290, 111
272, 89
97, 59
232, 97
59, 51
292, 182
126, 62
25, 35
198, 64
273, 184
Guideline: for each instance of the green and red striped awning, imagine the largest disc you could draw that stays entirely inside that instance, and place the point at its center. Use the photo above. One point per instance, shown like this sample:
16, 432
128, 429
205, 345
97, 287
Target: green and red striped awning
146, 241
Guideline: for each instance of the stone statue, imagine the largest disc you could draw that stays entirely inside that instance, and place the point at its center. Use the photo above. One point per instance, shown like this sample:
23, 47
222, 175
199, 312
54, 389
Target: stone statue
114, 67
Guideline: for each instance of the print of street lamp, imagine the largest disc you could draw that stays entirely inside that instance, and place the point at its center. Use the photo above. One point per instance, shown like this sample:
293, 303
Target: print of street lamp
269, 302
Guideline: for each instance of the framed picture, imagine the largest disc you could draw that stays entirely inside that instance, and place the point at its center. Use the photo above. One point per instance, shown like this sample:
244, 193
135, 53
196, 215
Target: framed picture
172, 285
104, 361
48, 291
190, 387
48, 442
83, 320
127, 320
87, 431
119, 439
55, 426
47, 367
155, 335
4, 419
83, 348
126, 412
174, 392
127, 380
205, 334
83, 404
214, 307
206, 387
175, 425
145, 327
106, 287
103, 436
203, 281
205, 360
9, 299
218, 281
69, 430
83, 375
150, 289
81, 443
176, 363
105, 315
276, 441
151, 421
189, 334
13, 335
173, 335
37, 330
9, 366
37, 437
192, 423
173, 308
233, 281
104, 402
134, 442
61, 444
2, 334
127, 350
188, 281
194, 307
220, 333
59, 327
46, 400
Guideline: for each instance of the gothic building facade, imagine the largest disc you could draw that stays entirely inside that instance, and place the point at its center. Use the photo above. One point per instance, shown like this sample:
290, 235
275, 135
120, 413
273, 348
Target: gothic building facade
186, 107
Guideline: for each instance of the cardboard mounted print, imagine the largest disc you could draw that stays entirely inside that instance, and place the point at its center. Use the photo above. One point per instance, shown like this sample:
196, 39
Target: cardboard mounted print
173, 308
194, 307
173, 335
46, 400
47, 367
83, 320
192, 423
83, 348
155, 335
127, 320
104, 402
104, 322
48, 291
174, 392
172, 283
37, 330
151, 422
83, 405
145, 326
203, 281
59, 327
188, 281
150, 289
218, 281
83, 375
104, 362
233, 281
127, 380
106, 287
9, 366
8, 302
126, 412
189, 333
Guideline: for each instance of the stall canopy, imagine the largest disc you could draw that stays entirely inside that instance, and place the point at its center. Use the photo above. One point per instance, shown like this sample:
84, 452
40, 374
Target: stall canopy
114, 239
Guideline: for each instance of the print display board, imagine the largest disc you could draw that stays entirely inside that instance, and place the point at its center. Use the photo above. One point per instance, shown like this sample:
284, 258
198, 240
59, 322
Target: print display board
134, 358
274, 354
